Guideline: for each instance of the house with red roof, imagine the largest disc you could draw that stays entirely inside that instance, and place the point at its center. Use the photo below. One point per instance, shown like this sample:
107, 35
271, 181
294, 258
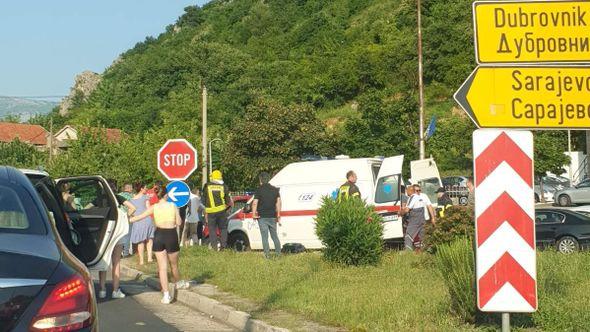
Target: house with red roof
27, 133
70, 133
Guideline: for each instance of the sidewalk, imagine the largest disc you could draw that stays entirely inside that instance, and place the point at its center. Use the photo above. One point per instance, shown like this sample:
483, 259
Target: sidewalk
194, 299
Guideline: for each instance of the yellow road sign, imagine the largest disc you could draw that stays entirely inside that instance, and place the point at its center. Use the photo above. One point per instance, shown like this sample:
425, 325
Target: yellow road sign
532, 31
527, 97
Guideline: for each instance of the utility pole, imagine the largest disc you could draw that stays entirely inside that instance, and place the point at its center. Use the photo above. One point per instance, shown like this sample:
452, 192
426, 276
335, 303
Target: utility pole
204, 134
569, 150
50, 139
587, 164
421, 82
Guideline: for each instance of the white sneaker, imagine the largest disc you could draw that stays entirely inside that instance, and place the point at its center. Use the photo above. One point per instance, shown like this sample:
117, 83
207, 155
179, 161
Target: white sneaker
102, 294
118, 294
166, 299
191, 242
183, 284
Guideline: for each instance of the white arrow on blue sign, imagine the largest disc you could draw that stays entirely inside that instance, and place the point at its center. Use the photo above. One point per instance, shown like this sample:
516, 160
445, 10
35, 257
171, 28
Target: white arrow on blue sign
179, 193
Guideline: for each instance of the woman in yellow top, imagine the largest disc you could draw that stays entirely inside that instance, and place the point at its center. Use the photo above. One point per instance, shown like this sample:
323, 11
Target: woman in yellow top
166, 246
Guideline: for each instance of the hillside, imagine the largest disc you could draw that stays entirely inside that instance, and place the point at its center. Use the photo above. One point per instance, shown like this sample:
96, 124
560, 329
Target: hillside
24, 108
352, 62
316, 52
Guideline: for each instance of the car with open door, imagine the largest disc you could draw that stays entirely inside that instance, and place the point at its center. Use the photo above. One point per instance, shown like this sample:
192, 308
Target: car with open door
46, 249
88, 214
43, 286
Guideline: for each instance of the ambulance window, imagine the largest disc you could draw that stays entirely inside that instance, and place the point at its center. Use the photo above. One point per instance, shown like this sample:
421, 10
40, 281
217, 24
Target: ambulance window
376, 172
387, 189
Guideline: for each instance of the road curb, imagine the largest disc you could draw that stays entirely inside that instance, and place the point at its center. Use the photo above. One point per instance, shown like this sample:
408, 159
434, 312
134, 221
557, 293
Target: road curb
224, 313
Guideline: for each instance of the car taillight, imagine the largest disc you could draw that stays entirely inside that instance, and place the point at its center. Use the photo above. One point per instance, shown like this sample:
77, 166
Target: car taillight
66, 309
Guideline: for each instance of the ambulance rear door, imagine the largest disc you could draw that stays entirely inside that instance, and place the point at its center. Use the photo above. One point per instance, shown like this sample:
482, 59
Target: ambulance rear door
425, 173
387, 196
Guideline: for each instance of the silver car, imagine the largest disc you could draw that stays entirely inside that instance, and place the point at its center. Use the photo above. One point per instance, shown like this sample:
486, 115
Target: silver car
579, 194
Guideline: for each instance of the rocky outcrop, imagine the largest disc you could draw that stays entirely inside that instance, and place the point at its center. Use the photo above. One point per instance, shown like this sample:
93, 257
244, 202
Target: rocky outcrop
85, 83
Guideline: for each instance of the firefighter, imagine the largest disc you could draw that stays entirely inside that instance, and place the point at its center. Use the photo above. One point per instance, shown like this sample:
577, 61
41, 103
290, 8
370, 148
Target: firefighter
443, 201
349, 188
216, 200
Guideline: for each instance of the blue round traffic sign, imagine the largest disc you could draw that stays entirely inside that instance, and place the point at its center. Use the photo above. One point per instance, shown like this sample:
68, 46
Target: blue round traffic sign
179, 193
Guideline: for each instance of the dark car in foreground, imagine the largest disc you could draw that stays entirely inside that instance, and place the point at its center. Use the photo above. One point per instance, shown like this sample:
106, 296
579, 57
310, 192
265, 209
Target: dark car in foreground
51, 233
43, 286
568, 231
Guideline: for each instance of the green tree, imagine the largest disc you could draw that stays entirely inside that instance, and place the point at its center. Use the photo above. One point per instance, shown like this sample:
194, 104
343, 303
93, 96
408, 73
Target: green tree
549, 154
387, 126
270, 136
21, 155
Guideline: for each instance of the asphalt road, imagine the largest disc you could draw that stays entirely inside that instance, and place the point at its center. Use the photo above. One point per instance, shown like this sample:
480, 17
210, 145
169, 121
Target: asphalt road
141, 310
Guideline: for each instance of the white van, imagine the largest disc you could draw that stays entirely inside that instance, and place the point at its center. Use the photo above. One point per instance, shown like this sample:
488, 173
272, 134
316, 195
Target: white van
303, 184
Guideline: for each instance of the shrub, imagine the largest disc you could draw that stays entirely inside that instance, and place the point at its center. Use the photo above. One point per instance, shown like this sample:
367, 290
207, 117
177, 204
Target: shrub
456, 224
456, 263
351, 232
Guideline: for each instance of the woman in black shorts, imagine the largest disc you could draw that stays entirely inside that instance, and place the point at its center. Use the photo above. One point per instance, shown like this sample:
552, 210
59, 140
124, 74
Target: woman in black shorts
166, 246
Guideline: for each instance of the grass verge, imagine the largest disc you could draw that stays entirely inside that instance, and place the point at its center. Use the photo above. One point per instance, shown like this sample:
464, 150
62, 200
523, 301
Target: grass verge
404, 293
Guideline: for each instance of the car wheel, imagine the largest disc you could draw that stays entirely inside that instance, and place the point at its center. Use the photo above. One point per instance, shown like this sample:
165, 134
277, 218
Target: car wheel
565, 200
463, 200
567, 245
238, 241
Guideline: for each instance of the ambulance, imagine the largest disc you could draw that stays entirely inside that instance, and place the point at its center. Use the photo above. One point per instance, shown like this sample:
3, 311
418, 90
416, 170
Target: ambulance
303, 184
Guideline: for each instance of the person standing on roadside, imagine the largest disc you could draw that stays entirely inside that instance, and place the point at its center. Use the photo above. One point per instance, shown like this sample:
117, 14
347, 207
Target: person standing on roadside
349, 188
193, 219
406, 193
166, 246
142, 232
116, 254
127, 194
443, 201
266, 208
216, 200
417, 210
151, 193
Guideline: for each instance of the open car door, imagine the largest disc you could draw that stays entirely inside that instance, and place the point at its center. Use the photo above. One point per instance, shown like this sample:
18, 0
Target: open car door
96, 216
425, 173
387, 196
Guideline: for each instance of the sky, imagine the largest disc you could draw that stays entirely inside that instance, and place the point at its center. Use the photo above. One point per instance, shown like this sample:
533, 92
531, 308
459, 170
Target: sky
45, 43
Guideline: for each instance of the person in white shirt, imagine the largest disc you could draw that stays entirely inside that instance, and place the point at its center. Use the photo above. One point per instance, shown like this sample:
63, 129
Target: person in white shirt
419, 210
194, 222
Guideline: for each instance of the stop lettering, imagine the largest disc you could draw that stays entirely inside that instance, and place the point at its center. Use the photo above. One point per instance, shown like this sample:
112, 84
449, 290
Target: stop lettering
177, 159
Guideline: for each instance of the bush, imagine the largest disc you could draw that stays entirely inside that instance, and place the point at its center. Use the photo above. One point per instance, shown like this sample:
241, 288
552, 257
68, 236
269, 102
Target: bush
457, 223
456, 263
351, 232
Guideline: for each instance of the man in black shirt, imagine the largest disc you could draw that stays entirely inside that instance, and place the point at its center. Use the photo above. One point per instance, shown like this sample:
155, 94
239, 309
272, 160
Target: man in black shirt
349, 188
266, 208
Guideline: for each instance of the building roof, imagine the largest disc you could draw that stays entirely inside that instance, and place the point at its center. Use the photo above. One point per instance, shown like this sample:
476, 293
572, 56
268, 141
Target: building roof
112, 135
32, 134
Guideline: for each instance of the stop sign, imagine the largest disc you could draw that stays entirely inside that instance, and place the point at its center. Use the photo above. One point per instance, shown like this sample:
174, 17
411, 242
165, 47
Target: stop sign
177, 159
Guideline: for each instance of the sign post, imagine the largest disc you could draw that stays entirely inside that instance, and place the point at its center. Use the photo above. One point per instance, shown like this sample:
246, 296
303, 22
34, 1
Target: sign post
504, 221
534, 73
177, 159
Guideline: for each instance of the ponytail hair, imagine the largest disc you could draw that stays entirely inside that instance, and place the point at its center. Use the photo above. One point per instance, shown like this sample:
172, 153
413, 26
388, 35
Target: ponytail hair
160, 192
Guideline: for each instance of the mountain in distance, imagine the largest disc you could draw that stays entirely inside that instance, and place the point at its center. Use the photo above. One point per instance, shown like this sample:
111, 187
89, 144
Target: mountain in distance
24, 108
